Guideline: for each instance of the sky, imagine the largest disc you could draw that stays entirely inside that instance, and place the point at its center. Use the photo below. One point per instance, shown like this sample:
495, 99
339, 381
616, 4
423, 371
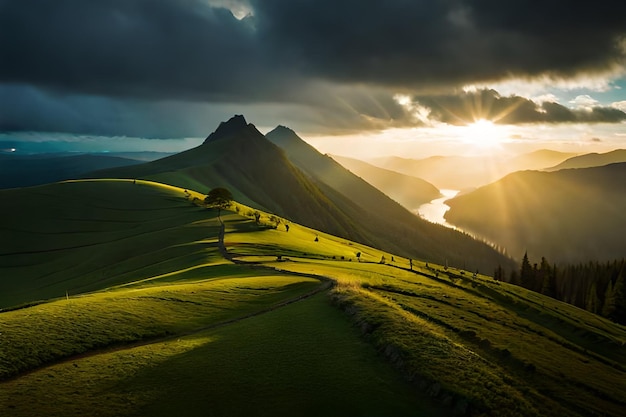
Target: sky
360, 78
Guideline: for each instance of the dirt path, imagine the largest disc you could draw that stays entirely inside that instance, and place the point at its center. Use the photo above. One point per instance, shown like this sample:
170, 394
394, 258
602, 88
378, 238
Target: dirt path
326, 283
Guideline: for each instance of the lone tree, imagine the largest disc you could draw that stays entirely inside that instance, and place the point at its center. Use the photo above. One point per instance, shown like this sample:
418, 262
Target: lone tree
219, 198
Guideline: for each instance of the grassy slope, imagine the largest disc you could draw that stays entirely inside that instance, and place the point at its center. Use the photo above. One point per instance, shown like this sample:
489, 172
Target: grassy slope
475, 345
84, 236
257, 173
385, 221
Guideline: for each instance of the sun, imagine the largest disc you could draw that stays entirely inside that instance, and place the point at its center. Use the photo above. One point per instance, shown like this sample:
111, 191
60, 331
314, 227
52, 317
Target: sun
482, 133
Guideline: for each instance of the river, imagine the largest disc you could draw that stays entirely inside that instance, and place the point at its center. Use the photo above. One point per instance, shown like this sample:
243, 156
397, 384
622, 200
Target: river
435, 210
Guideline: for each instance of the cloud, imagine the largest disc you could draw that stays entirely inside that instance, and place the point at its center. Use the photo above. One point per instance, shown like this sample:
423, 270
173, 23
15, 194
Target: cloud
199, 50
400, 43
103, 66
134, 48
620, 105
585, 102
466, 107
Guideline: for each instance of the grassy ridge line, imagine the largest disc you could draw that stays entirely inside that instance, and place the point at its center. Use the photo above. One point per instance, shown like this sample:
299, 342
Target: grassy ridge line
445, 369
122, 317
527, 348
302, 360
477, 345
533, 307
169, 239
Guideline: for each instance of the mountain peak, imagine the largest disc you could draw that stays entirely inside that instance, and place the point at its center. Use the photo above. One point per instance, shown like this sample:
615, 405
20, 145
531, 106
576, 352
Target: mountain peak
233, 125
283, 129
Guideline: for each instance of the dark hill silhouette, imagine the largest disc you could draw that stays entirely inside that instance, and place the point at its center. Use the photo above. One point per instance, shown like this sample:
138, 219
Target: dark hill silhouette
26, 171
407, 190
570, 215
390, 225
592, 160
311, 189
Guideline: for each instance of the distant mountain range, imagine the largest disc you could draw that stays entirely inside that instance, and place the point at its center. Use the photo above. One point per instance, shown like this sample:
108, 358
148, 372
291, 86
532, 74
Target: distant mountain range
295, 181
407, 190
572, 215
26, 171
591, 160
465, 172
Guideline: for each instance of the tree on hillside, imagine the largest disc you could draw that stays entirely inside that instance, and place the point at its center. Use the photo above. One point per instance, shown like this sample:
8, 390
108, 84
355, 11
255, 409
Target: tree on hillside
498, 274
547, 278
593, 301
615, 302
526, 273
219, 198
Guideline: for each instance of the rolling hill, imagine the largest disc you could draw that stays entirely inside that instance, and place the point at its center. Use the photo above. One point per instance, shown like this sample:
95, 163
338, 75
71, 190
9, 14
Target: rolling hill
572, 215
468, 172
251, 319
591, 160
409, 191
297, 182
238, 157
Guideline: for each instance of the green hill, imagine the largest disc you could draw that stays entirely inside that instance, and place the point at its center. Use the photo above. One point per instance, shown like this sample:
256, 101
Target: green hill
409, 191
253, 319
300, 184
569, 216
389, 225
238, 157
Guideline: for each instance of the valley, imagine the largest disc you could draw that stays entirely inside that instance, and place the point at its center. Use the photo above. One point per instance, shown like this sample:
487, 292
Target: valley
286, 321
421, 213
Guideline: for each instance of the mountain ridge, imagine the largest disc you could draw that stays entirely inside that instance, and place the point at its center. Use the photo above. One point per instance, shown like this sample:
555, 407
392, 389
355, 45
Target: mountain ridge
311, 189
591, 160
570, 215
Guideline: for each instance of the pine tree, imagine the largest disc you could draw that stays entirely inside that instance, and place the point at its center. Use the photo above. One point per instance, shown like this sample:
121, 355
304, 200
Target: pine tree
548, 286
608, 300
498, 274
615, 305
526, 272
593, 302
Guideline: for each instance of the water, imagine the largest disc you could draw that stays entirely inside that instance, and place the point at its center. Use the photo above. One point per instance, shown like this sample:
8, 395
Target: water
435, 210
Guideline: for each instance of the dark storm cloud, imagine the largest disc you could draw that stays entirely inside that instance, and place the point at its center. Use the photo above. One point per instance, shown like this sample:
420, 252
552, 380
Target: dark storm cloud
464, 108
337, 63
412, 43
187, 49
132, 48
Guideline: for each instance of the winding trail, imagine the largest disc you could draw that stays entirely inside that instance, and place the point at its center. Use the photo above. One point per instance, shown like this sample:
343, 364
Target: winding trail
326, 284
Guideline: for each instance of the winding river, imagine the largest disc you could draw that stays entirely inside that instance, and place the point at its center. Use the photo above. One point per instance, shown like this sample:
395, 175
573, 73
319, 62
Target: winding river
435, 210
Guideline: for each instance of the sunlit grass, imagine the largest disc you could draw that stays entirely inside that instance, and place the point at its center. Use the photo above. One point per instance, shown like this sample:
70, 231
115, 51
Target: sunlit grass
304, 359
97, 320
470, 343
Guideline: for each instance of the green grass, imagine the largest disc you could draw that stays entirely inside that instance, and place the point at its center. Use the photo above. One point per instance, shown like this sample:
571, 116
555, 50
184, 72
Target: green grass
83, 236
169, 306
467, 340
304, 359
128, 315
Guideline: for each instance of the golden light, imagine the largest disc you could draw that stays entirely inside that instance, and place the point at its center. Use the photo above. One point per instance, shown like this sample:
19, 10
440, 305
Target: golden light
482, 133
